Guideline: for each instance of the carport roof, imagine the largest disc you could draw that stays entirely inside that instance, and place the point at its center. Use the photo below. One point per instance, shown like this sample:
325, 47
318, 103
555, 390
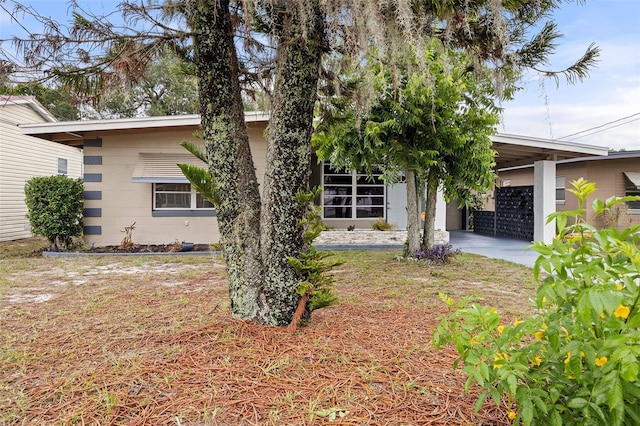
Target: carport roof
513, 150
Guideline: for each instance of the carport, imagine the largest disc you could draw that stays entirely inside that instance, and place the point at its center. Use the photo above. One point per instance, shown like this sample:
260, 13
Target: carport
514, 151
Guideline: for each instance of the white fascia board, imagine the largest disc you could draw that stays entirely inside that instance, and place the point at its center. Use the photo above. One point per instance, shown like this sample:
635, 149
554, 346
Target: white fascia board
552, 144
126, 124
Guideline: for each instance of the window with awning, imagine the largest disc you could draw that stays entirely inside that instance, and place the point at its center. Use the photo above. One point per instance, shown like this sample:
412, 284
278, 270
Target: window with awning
171, 189
632, 187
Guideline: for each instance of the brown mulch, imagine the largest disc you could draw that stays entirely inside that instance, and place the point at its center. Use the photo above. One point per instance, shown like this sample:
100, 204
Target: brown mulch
140, 353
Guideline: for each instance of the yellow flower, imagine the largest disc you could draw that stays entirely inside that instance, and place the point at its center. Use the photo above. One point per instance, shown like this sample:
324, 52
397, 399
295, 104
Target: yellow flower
619, 287
517, 323
500, 357
544, 326
537, 360
581, 354
622, 312
601, 361
538, 335
544, 299
601, 315
474, 341
568, 358
500, 329
511, 415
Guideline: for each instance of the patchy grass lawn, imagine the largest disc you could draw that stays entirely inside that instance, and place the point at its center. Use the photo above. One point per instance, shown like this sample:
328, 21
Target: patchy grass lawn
149, 340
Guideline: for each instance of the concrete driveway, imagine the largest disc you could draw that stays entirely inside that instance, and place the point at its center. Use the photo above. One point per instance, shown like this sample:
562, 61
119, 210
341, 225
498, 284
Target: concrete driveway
494, 247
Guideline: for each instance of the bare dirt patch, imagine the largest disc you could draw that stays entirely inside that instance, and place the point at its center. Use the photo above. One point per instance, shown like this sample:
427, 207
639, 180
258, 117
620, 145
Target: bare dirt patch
146, 341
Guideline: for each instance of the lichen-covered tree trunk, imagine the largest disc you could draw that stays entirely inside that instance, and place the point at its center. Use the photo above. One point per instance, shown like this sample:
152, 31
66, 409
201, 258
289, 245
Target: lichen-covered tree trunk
230, 162
288, 154
428, 235
413, 224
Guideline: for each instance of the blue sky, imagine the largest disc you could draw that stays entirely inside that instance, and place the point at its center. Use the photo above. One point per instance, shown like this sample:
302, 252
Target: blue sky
612, 92
608, 102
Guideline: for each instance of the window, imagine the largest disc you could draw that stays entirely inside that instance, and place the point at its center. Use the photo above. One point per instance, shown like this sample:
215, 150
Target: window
632, 187
560, 190
62, 166
352, 195
177, 196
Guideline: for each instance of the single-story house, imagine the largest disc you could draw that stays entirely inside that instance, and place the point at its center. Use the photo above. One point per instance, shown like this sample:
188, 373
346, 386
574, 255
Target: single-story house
615, 174
23, 157
131, 176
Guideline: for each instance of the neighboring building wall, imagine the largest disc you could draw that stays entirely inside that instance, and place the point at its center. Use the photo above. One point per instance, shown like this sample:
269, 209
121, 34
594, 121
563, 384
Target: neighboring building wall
21, 158
609, 178
113, 201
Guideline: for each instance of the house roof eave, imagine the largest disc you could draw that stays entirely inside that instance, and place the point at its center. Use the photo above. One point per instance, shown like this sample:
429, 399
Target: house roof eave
516, 151
74, 130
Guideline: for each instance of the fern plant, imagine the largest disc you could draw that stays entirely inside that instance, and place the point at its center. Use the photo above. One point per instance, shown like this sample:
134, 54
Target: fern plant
202, 180
316, 288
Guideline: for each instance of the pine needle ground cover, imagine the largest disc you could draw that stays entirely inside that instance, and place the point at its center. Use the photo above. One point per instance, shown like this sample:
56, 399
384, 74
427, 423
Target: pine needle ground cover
150, 341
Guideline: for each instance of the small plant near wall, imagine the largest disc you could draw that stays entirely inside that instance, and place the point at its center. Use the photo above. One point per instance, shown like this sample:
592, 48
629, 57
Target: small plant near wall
54, 206
127, 241
382, 225
577, 360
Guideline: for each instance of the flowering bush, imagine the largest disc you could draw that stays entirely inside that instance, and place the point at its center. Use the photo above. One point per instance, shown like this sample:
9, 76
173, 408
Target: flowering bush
577, 360
439, 253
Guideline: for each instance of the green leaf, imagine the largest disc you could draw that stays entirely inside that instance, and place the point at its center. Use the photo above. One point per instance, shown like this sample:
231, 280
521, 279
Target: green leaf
484, 370
481, 398
527, 412
512, 382
540, 404
615, 399
633, 412
596, 409
578, 403
194, 149
556, 418
496, 395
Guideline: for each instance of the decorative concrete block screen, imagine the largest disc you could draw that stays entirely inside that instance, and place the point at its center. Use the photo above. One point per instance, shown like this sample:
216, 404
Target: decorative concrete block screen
513, 217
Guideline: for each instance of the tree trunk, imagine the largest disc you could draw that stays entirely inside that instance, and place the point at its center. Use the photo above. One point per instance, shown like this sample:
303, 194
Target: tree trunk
288, 154
430, 212
413, 223
229, 157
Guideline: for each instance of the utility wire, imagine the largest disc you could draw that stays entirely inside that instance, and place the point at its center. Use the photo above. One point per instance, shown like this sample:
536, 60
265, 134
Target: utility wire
608, 128
602, 125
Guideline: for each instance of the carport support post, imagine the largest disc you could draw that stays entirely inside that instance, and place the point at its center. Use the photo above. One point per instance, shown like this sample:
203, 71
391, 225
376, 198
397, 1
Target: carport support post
544, 200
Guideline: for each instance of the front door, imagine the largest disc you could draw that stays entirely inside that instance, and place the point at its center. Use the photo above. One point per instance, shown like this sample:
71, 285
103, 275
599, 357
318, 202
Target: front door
397, 205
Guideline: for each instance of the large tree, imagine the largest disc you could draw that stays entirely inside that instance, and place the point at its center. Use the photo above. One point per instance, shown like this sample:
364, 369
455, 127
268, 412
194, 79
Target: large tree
430, 123
259, 234
167, 87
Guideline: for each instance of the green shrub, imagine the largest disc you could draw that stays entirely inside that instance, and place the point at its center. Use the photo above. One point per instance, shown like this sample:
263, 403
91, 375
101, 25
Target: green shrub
577, 360
55, 208
382, 225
